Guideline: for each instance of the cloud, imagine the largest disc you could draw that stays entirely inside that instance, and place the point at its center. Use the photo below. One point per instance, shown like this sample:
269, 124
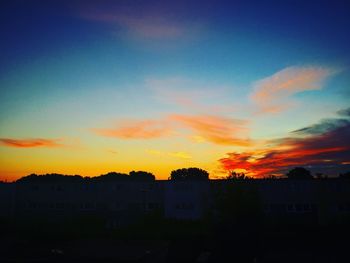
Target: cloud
181, 155
344, 112
112, 151
189, 94
323, 127
137, 129
326, 125
210, 128
154, 152
142, 21
30, 143
215, 129
271, 94
143, 26
323, 149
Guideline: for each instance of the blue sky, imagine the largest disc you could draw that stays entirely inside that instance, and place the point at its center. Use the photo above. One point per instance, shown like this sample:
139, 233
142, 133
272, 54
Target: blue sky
71, 68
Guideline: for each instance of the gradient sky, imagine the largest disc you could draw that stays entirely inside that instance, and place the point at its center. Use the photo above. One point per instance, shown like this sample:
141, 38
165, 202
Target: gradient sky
89, 87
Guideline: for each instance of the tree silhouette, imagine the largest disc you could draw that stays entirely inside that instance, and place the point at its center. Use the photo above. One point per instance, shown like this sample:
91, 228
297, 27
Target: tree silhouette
192, 173
141, 176
345, 175
108, 177
237, 176
237, 221
299, 173
112, 176
50, 178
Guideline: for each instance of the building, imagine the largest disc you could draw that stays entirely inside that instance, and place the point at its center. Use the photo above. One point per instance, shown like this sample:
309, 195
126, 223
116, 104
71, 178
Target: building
317, 201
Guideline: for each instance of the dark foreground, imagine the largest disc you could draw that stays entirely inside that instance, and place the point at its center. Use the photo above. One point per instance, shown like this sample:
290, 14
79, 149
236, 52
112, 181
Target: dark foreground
298, 245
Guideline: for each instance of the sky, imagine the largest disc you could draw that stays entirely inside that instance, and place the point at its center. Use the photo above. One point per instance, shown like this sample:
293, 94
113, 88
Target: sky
89, 87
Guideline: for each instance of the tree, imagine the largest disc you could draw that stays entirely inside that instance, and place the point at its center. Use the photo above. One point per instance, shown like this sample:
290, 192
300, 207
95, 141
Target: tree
237, 220
345, 175
237, 176
299, 173
142, 176
321, 176
112, 176
50, 178
192, 173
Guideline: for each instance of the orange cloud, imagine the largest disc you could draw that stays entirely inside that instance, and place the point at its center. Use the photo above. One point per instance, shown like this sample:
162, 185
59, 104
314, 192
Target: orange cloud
271, 94
137, 129
181, 155
325, 152
215, 129
30, 143
277, 162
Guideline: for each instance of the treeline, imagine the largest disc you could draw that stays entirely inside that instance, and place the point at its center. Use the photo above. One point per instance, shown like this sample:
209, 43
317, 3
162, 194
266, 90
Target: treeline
111, 176
192, 173
179, 174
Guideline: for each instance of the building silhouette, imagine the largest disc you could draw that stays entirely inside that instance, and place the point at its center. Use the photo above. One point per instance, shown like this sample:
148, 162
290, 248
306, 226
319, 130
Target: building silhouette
119, 203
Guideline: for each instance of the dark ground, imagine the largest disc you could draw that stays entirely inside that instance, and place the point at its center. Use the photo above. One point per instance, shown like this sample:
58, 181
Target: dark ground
312, 245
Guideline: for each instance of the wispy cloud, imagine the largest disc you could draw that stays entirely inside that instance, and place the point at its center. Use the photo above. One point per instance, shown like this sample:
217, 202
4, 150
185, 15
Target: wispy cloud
144, 26
271, 94
154, 22
112, 151
136, 129
181, 155
323, 147
344, 112
210, 128
215, 129
30, 143
190, 94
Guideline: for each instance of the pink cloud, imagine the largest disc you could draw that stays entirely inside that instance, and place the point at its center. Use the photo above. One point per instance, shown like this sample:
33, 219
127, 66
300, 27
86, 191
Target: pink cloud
272, 94
30, 143
145, 26
210, 128
319, 148
215, 129
137, 129
193, 95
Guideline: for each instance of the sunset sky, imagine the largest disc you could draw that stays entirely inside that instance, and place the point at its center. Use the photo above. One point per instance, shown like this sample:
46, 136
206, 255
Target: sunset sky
89, 87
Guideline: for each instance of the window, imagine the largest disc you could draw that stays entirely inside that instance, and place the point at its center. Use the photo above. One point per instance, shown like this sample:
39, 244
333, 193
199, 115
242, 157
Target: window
184, 206
301, 208
290, 208
344, 207
266, 208
116, 206
313, 207
298, 207
306, 207
87, 206
152, 206
32, 205
59, 206
117, 187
